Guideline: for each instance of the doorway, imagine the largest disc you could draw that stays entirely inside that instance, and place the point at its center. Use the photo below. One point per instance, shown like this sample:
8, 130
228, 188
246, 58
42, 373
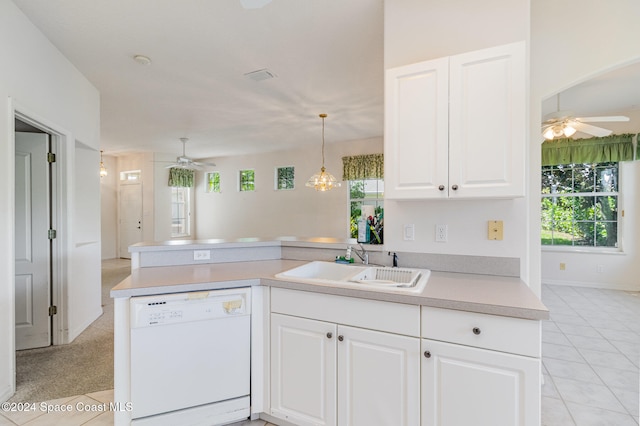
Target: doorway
34, 174
130, 214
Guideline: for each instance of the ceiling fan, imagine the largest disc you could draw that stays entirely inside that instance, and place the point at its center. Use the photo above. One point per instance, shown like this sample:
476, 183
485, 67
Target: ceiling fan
185, 162
564, 124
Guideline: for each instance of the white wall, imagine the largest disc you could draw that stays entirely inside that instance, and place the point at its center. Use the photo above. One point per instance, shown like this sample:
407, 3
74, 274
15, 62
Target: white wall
109, 209
613, 25
37, 80
301, 212
417, 30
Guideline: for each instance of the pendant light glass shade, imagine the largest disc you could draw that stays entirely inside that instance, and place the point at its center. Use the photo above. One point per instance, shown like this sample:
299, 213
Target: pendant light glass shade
323, 181
103, 169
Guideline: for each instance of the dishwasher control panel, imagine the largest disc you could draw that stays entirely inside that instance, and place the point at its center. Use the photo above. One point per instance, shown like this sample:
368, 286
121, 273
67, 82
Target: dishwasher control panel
149, 311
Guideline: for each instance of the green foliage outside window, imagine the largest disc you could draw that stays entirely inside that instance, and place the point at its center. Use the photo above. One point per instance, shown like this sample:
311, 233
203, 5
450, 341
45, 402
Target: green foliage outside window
284, 178
366, 192
247, 180
213, 182
580, 205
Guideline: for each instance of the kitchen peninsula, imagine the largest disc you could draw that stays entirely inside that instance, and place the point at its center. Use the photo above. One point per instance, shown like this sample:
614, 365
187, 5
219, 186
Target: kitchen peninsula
475, 331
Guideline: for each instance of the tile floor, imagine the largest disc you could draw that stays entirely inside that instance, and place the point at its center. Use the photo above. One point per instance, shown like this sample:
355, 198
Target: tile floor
590, 357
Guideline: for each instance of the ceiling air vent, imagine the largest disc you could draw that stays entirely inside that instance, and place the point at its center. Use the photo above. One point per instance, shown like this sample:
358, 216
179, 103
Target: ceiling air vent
259, 75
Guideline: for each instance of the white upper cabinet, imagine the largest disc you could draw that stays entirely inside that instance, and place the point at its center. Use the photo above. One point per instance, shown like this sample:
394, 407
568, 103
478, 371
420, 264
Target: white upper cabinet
455, 126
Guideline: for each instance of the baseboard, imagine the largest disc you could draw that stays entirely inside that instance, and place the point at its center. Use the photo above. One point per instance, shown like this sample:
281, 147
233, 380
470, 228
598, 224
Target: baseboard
6, 393
602, 286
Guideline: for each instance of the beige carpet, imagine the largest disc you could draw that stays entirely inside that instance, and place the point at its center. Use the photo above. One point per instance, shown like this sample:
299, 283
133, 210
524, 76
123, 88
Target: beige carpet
83, 366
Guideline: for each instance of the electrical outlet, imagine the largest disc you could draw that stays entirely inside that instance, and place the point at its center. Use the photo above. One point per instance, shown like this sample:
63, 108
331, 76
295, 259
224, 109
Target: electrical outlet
599, 269
563, 266
201, 254
441, 233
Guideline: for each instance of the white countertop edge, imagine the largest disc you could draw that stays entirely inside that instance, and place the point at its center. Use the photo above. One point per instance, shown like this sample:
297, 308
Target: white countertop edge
535, 311
325, 243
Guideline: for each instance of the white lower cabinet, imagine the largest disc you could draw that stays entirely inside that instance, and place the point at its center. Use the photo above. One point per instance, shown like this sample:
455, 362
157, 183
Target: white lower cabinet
328, 374
303, 370
378, 378
347, 361
463, 385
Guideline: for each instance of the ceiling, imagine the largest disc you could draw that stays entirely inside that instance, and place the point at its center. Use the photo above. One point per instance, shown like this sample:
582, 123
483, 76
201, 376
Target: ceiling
616, 92
327, 57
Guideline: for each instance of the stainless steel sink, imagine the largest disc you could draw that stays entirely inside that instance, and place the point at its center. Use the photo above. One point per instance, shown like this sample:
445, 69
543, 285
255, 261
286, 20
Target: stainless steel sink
378, 278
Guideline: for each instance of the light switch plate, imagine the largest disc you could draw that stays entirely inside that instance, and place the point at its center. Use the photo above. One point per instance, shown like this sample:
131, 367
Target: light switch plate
496, 230
409, 232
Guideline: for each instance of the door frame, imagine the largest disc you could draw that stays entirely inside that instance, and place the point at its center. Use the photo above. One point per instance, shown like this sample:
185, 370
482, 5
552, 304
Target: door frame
59, 138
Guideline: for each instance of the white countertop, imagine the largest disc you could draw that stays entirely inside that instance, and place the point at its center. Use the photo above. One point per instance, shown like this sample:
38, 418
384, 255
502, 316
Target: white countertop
506, 296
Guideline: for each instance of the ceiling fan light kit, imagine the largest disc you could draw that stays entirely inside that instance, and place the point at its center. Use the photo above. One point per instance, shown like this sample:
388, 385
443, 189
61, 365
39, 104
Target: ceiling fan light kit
564, 124
184, 162
323, 181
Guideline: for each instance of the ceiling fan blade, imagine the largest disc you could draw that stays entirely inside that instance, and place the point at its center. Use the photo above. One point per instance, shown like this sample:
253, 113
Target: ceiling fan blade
198, 163
602, 119
589, 129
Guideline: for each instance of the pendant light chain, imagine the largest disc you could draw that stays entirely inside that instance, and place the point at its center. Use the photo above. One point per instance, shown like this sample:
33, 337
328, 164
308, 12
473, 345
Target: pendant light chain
323, 117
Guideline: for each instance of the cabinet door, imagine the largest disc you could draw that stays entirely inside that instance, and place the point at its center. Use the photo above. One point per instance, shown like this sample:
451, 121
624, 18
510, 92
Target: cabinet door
416, 130
378, 378
303, 370
462, 385
487, 112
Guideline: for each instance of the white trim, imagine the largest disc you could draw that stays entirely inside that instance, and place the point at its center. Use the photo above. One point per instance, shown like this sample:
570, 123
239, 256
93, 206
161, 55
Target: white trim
60, 138
582, 249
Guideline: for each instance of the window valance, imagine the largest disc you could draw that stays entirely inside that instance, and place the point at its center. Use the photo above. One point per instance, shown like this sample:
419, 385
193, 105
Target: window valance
370, 166
612, 148
179, 177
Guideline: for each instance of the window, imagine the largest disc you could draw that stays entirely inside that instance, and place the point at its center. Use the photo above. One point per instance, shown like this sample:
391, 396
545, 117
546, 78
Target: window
247, 180
580, 205
212, 182
180, 212
366, 197
130, 176
284, 178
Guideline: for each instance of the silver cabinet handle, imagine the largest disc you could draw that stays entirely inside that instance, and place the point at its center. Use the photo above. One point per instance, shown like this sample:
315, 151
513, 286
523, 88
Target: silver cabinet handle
454, 187
329, 335
476, 331
341, 338
427, 354
441, 187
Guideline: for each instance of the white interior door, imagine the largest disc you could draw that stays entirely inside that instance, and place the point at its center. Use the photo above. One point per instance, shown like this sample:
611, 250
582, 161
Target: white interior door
32, 245
130, 208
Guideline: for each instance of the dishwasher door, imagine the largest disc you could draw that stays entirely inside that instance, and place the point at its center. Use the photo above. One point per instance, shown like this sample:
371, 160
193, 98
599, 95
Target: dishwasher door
189, 349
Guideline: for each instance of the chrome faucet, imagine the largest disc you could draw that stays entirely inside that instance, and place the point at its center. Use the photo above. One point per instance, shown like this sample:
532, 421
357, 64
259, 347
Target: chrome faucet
363, 255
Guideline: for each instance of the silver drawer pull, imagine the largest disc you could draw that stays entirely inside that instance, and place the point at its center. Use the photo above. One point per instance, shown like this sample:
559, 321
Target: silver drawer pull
476, 331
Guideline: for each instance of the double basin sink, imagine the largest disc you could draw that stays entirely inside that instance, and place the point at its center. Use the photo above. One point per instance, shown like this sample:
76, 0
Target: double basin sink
380, 278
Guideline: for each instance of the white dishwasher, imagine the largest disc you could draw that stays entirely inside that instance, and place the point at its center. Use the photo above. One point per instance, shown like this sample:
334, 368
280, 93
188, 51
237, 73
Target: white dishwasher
191, 357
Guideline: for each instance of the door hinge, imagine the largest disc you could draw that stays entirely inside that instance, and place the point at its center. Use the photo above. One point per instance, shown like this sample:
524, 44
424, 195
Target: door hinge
51, 157
53, 310
51, 234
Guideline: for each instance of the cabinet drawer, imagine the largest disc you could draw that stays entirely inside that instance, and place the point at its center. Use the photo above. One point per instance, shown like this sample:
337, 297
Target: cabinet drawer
371, 314
505, 334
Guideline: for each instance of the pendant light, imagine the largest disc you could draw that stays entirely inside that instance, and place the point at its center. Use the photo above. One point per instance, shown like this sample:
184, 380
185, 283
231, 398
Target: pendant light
323, 181
103, 169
